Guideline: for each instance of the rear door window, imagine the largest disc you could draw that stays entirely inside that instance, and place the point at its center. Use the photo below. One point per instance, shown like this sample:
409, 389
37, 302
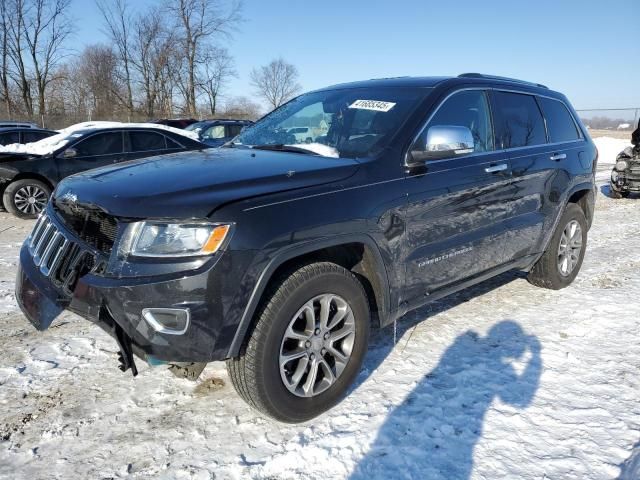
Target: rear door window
233, 130
560, 123
518, 120
108, 143
29, 137
147, 141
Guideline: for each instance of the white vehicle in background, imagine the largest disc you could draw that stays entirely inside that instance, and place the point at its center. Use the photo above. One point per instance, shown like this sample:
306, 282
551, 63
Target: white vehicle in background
302, 134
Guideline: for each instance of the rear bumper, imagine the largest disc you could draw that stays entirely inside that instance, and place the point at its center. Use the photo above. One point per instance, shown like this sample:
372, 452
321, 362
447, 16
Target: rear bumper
117, 303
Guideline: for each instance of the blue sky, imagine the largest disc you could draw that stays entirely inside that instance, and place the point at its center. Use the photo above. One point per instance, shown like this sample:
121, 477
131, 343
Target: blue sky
587, 49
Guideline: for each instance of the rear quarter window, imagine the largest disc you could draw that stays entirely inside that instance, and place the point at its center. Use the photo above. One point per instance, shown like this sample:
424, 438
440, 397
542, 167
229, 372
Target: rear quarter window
560, 123
518, 120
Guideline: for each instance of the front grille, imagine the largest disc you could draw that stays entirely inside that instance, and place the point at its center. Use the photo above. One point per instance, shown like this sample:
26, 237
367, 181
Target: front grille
92, 226
59, 258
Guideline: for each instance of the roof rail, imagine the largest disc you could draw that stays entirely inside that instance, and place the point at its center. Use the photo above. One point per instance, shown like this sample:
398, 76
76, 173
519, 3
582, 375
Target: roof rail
496, 77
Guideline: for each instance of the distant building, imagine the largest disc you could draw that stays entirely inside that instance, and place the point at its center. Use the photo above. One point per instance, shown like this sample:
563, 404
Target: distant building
624, 126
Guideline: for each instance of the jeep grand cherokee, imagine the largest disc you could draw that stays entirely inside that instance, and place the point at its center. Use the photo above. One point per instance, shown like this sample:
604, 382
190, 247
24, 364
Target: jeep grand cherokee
278, 254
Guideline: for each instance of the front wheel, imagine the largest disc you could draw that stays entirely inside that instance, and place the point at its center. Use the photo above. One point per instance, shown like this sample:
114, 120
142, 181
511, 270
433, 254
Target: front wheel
307, 346
26, 198
561, 261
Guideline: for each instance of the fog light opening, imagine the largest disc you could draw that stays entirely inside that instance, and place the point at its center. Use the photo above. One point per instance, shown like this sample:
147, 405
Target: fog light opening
172, 321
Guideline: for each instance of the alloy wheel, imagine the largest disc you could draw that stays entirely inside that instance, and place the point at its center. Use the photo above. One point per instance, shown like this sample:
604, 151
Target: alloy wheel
569, 248
317, 345
30, 199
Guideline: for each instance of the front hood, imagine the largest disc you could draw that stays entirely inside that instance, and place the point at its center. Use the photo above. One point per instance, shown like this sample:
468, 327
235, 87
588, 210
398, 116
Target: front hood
193, 184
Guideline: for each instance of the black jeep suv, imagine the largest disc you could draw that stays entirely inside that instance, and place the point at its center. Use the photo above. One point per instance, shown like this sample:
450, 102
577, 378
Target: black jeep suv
278, 255
625, 175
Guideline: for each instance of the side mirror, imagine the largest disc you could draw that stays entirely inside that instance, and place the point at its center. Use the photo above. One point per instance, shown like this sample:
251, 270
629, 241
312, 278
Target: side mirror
442, 141
69, 153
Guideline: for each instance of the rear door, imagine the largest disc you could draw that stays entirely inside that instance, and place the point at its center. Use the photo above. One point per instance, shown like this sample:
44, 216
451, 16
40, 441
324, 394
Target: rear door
539, 153
97, 150
458, 208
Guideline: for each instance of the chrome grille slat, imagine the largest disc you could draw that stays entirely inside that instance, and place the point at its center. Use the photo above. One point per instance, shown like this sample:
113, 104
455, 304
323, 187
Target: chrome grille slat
57, 256
57, 259
48, 251
37, 230
41, 245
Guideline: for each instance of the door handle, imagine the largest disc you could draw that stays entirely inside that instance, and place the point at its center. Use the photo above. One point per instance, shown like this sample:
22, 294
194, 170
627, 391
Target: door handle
558, 156
496, 168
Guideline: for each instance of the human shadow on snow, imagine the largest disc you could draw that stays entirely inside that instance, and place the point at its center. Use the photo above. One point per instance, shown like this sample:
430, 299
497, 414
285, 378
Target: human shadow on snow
432, 434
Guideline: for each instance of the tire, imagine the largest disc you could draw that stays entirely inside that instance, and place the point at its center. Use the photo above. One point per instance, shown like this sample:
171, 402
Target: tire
257, 374
22, 191
555, 270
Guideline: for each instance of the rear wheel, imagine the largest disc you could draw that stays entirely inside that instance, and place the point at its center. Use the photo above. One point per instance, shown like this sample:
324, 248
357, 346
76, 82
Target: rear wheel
26, 198
307, 346
561, 261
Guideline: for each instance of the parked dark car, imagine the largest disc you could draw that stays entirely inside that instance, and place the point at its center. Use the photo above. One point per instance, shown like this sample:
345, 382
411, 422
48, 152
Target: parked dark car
175, 122
9, 136
216, 133
28, 175
625, 176
279, 257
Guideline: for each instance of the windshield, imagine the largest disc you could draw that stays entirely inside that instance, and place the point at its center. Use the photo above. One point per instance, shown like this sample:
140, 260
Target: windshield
196, 127
347, 123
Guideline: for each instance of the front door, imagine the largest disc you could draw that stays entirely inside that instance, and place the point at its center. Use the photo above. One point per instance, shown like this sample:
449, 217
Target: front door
458, 207
98, 150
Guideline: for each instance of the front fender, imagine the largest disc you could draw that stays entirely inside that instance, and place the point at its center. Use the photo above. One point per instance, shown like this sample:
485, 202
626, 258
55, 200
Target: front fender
294, 251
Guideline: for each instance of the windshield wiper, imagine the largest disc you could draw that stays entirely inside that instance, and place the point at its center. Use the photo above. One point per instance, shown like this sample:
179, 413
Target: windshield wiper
280, 147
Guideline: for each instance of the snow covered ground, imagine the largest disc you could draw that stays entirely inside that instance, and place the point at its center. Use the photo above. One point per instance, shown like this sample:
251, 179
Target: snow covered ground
504, 380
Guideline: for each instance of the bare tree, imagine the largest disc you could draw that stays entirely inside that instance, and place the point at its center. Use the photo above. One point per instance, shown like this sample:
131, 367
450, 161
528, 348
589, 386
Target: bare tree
277, 82
16, 51
151, 50
242, 108
45, 27
118, 19
199, 22
217, 69
4, 57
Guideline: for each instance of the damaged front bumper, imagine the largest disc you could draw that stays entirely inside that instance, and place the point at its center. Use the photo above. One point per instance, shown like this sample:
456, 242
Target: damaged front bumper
57, 272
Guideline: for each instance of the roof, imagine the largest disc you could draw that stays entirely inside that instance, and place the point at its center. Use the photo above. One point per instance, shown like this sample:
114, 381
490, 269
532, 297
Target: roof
430, 82
26, 128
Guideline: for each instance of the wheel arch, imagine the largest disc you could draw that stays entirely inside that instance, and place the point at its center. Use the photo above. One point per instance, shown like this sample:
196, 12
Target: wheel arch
357, 253
32, 176
583, 196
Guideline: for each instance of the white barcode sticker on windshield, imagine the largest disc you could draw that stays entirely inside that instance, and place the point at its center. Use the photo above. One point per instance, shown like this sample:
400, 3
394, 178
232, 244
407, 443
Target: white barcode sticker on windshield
376, 105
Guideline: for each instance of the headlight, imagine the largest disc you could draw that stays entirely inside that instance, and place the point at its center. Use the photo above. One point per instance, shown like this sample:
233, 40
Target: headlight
614, 176
621, 165
164, 239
